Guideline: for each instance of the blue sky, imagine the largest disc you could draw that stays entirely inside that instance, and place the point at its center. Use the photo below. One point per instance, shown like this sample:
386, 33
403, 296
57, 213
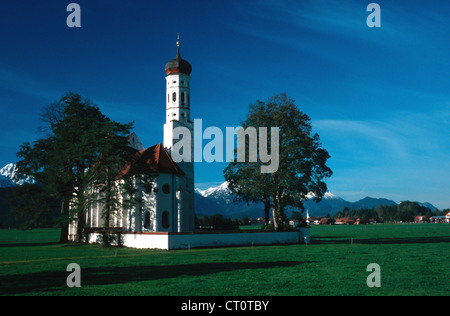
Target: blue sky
378, 97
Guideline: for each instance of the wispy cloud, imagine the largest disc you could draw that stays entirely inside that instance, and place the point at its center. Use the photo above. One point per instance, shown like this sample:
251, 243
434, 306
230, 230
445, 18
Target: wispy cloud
404, 156
365, 143
280, 20
401, 135
303, 25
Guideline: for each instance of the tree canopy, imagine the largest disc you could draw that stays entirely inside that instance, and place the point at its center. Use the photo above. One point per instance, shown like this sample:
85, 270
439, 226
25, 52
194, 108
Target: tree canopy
77, 136
302, 160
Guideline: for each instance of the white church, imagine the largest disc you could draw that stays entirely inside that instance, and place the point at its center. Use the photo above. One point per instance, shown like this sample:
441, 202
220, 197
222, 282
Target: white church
165, 217
168, 206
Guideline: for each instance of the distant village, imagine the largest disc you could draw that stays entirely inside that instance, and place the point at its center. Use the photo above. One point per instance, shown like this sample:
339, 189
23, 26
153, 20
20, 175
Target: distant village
320, 220
404, 212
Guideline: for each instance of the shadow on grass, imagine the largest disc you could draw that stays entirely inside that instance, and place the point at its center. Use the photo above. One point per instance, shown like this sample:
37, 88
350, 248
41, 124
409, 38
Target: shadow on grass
27, 244
392, 240
49, 281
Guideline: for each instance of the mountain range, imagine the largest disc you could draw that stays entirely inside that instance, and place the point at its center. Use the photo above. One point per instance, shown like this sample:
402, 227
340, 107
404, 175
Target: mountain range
220, 200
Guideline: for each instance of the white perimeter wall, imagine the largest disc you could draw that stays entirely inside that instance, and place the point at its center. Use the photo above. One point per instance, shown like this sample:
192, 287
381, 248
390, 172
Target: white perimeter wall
169, 241
232, 239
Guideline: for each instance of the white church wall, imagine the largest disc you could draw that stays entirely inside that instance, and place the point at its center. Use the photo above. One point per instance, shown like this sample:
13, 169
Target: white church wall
135, 142
147, 206
164, 216
147, 241
170, 241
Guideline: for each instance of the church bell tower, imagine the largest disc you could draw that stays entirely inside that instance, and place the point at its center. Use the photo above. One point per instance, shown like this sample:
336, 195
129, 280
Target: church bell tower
178, 114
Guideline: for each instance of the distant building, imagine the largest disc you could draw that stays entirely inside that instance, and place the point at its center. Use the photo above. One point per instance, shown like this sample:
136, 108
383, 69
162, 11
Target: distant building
326, 221
419, 219
344, 221
440, 219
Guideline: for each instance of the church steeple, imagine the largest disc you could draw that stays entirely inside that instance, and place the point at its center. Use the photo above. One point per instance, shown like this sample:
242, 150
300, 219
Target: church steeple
178, 118
178, 65
178, 89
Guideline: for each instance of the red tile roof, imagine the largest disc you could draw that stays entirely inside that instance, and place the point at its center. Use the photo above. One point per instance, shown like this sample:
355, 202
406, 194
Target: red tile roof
152, 160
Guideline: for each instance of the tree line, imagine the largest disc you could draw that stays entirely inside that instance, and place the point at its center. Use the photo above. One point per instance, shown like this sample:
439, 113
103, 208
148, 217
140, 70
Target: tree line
403, 212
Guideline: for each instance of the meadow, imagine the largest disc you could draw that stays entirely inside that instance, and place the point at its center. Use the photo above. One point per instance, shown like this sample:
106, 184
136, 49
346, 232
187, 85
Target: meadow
414, 260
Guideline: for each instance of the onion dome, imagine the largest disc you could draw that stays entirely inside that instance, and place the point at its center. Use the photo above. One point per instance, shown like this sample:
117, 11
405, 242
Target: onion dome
178, 65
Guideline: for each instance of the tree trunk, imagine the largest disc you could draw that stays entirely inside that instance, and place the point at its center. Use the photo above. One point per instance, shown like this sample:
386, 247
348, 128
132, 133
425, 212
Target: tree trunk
280, 210
80, 227
267, 209
274, 212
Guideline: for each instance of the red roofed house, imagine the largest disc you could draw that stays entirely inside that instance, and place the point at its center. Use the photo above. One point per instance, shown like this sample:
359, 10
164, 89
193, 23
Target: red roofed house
344, 221
419, 219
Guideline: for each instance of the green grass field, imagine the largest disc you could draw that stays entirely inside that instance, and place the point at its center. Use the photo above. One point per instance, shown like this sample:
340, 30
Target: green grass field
414, 260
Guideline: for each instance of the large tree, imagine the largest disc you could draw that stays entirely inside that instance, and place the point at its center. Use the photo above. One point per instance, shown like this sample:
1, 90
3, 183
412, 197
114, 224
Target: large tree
302, 166
104, 176
77, 135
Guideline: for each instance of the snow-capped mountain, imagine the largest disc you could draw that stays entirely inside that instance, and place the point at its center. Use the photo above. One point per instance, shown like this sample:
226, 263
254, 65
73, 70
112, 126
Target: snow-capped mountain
219, 199
328, 196
223, 191
220, 190
7, 174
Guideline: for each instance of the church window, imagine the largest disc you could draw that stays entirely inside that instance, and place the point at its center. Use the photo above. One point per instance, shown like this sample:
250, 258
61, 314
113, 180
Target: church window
166, 188
147, 220
165, 219
148, 188
188, 97
174, 97
182, 98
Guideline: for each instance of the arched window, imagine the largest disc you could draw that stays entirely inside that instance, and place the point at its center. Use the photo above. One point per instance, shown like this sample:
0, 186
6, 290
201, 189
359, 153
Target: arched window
166, 188
147, 220
148, 188
182, 97
165, 219
174, 97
